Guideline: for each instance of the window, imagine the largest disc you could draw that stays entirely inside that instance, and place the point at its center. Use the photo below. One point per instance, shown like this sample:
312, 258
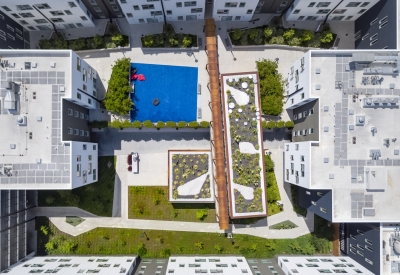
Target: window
94, 147
89, 100
94, 174
82, 115
368, 241
72, 4
311, 112
299, 265
123, 1
155, 13
26, 15
357, 271
364, 4
76, 113
324, 11
196, 10
297, 147
231, 4
311, 5
84, 77
353, 237
97, 9
311, 18
348, 18
365, 36
15, 15
249, 12
78, 95
237, 17
311, 130
369, 261
324, 271
291, 157
360, 232
70, 131
84, 18
319, 194
86, 133
296, 11
56, 13
24, 7
78, 170
311, 265
179, 4
369, 248
353, 4
5, 8
136, 7
242, 4
68, 12
302, 95
78, 64
361, 11
360, 253
189, 3
82, 133
56, 20
129, 15
148, 7
301, 18
169, 12
323, 4
84, 146
79, 25
23, 22
222, 11
292, 168
339, 11
313, 203
302, 170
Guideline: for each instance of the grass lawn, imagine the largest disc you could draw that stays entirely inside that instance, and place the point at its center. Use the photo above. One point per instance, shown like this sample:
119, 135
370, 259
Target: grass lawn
152, 203
74, 221
283, 225
96, 197
115, 241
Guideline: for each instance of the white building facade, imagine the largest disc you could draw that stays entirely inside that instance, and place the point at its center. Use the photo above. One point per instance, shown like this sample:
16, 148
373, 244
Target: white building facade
40, 15
234, 11
333, 9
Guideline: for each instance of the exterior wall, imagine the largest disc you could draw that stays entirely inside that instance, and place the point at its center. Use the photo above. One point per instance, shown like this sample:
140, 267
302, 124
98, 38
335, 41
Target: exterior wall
87, 97
11, 33
361, 239
141, 16
17, 225
103, 9
44, 14
234, 13
274, 6
184, 13
74, 117
369, 25
313, 265
306, 117
293, 157
334, 9
317, 201
80, 158
298, 81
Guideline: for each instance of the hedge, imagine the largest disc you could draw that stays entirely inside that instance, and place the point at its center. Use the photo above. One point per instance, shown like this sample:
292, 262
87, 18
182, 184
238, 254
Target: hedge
280, 124
148, 124
169, 39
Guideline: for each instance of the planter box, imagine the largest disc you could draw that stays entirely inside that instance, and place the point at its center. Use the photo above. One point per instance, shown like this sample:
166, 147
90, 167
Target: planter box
164, 130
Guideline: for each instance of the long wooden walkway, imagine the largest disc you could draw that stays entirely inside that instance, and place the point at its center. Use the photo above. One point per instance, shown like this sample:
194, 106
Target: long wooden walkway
216, 124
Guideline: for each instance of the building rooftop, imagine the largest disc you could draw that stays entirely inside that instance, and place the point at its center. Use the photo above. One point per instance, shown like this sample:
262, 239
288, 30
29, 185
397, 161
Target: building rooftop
32, 85
390, 235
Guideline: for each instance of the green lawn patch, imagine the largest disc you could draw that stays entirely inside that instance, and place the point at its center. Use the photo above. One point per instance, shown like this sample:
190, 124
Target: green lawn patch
283, 225
157, 243
146, 202
96, 197
296, 208
74, 221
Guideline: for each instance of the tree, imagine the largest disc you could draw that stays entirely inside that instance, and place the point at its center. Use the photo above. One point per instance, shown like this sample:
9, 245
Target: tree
280, 124
141, 250
186, 41
148, 41
98, 41
201, 214
117, 97
277, 40
294, 41
49, 246
268, 32
78, 44
268, 163
272, 105
66, 247
271, 124
288, 34
237, 34
326, 37
60, 42
307, 35
270, 245
289, 124
117, 39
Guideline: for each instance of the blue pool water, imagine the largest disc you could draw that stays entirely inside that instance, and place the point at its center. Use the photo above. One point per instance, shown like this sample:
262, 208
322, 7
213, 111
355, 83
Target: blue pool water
174, 86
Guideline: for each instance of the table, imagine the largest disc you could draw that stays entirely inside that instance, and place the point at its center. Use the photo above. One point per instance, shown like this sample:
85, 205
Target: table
245, 85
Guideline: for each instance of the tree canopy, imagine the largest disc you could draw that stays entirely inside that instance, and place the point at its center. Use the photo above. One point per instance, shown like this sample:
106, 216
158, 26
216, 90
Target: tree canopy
118, 98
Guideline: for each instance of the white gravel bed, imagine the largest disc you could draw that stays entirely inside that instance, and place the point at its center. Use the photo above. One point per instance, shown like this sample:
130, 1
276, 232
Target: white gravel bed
247, 192
247, 148
192, 187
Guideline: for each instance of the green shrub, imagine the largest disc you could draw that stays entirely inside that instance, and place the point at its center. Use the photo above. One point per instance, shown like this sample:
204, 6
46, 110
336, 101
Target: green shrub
255, 35
199, 245
141, 250
182, 124
289, 124
126, 124
172, 41
307, 35
137, 124
49, 246
205, 124
116, 124
60, 42
49, 200
44, 229
117, 39
288, 34
201, 214
156, 201
218, 248
277, 40
160, 125
268, 32
268, 164
186, 41
111, 45
271, 124
294, 41
272, 105
98, 41
99, 124
45, 44
148, 41
280, 124
148, 124
171, 124
272, 188
78, 44
264, 124
237, 34
326, 37
193, 124
117, 97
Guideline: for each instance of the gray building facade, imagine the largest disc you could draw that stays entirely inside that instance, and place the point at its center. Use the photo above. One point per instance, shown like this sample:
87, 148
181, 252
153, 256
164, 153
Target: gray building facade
377, 27
306, 122
12, 34
75, 121
274, 6
101, 9
317, 201
18, 236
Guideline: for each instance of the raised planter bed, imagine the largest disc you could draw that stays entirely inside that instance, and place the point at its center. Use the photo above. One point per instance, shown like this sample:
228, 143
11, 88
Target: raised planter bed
190, 177
246, 177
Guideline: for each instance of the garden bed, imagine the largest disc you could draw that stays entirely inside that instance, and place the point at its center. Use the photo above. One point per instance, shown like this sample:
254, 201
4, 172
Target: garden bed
275, 34
73, 220
244, 145
169, 39
190, 176
283, 225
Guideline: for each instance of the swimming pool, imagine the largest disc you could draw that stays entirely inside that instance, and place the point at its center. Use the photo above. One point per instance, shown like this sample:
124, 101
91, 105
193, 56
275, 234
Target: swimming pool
174, 86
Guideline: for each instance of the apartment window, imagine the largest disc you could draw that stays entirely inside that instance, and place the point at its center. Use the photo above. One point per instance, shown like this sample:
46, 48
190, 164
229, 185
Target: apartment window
297, 147
324, 271
79, 25
323, 11
364, 4
368, 241
353, 237
155, 13
296, 11
136, 7
179, 4
72, 4
82, 133
237, 17
368, 261
222, 11
97, 9
369, 248
15, 15
86, 133
249, 12
94, 147
24, 7
78, 95
301, 18
70, 112
231, 4
196, 10
292, 168
84, 18
68, 12
311, 130
89, 100
57, 20
311, 5
190, 3
10, 36
302, 95
82, 115
70, 131
76, 113
148, 7
365, 36
361, 11
353, 4
129, 15
294, 117
123, 1
313, 203
301, 158
78, 64
348, 18
360, 253
142, 20
169, 12
291, 157
242, 4
360, 232
323, 4
56, 13
357, 271
302, 170
311, 18
84, 146
287, 174
319, 194
308, 192
78, 170
84, 77
94, 174
339, 11
30, 27
26, 15
311, 112
23, 22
